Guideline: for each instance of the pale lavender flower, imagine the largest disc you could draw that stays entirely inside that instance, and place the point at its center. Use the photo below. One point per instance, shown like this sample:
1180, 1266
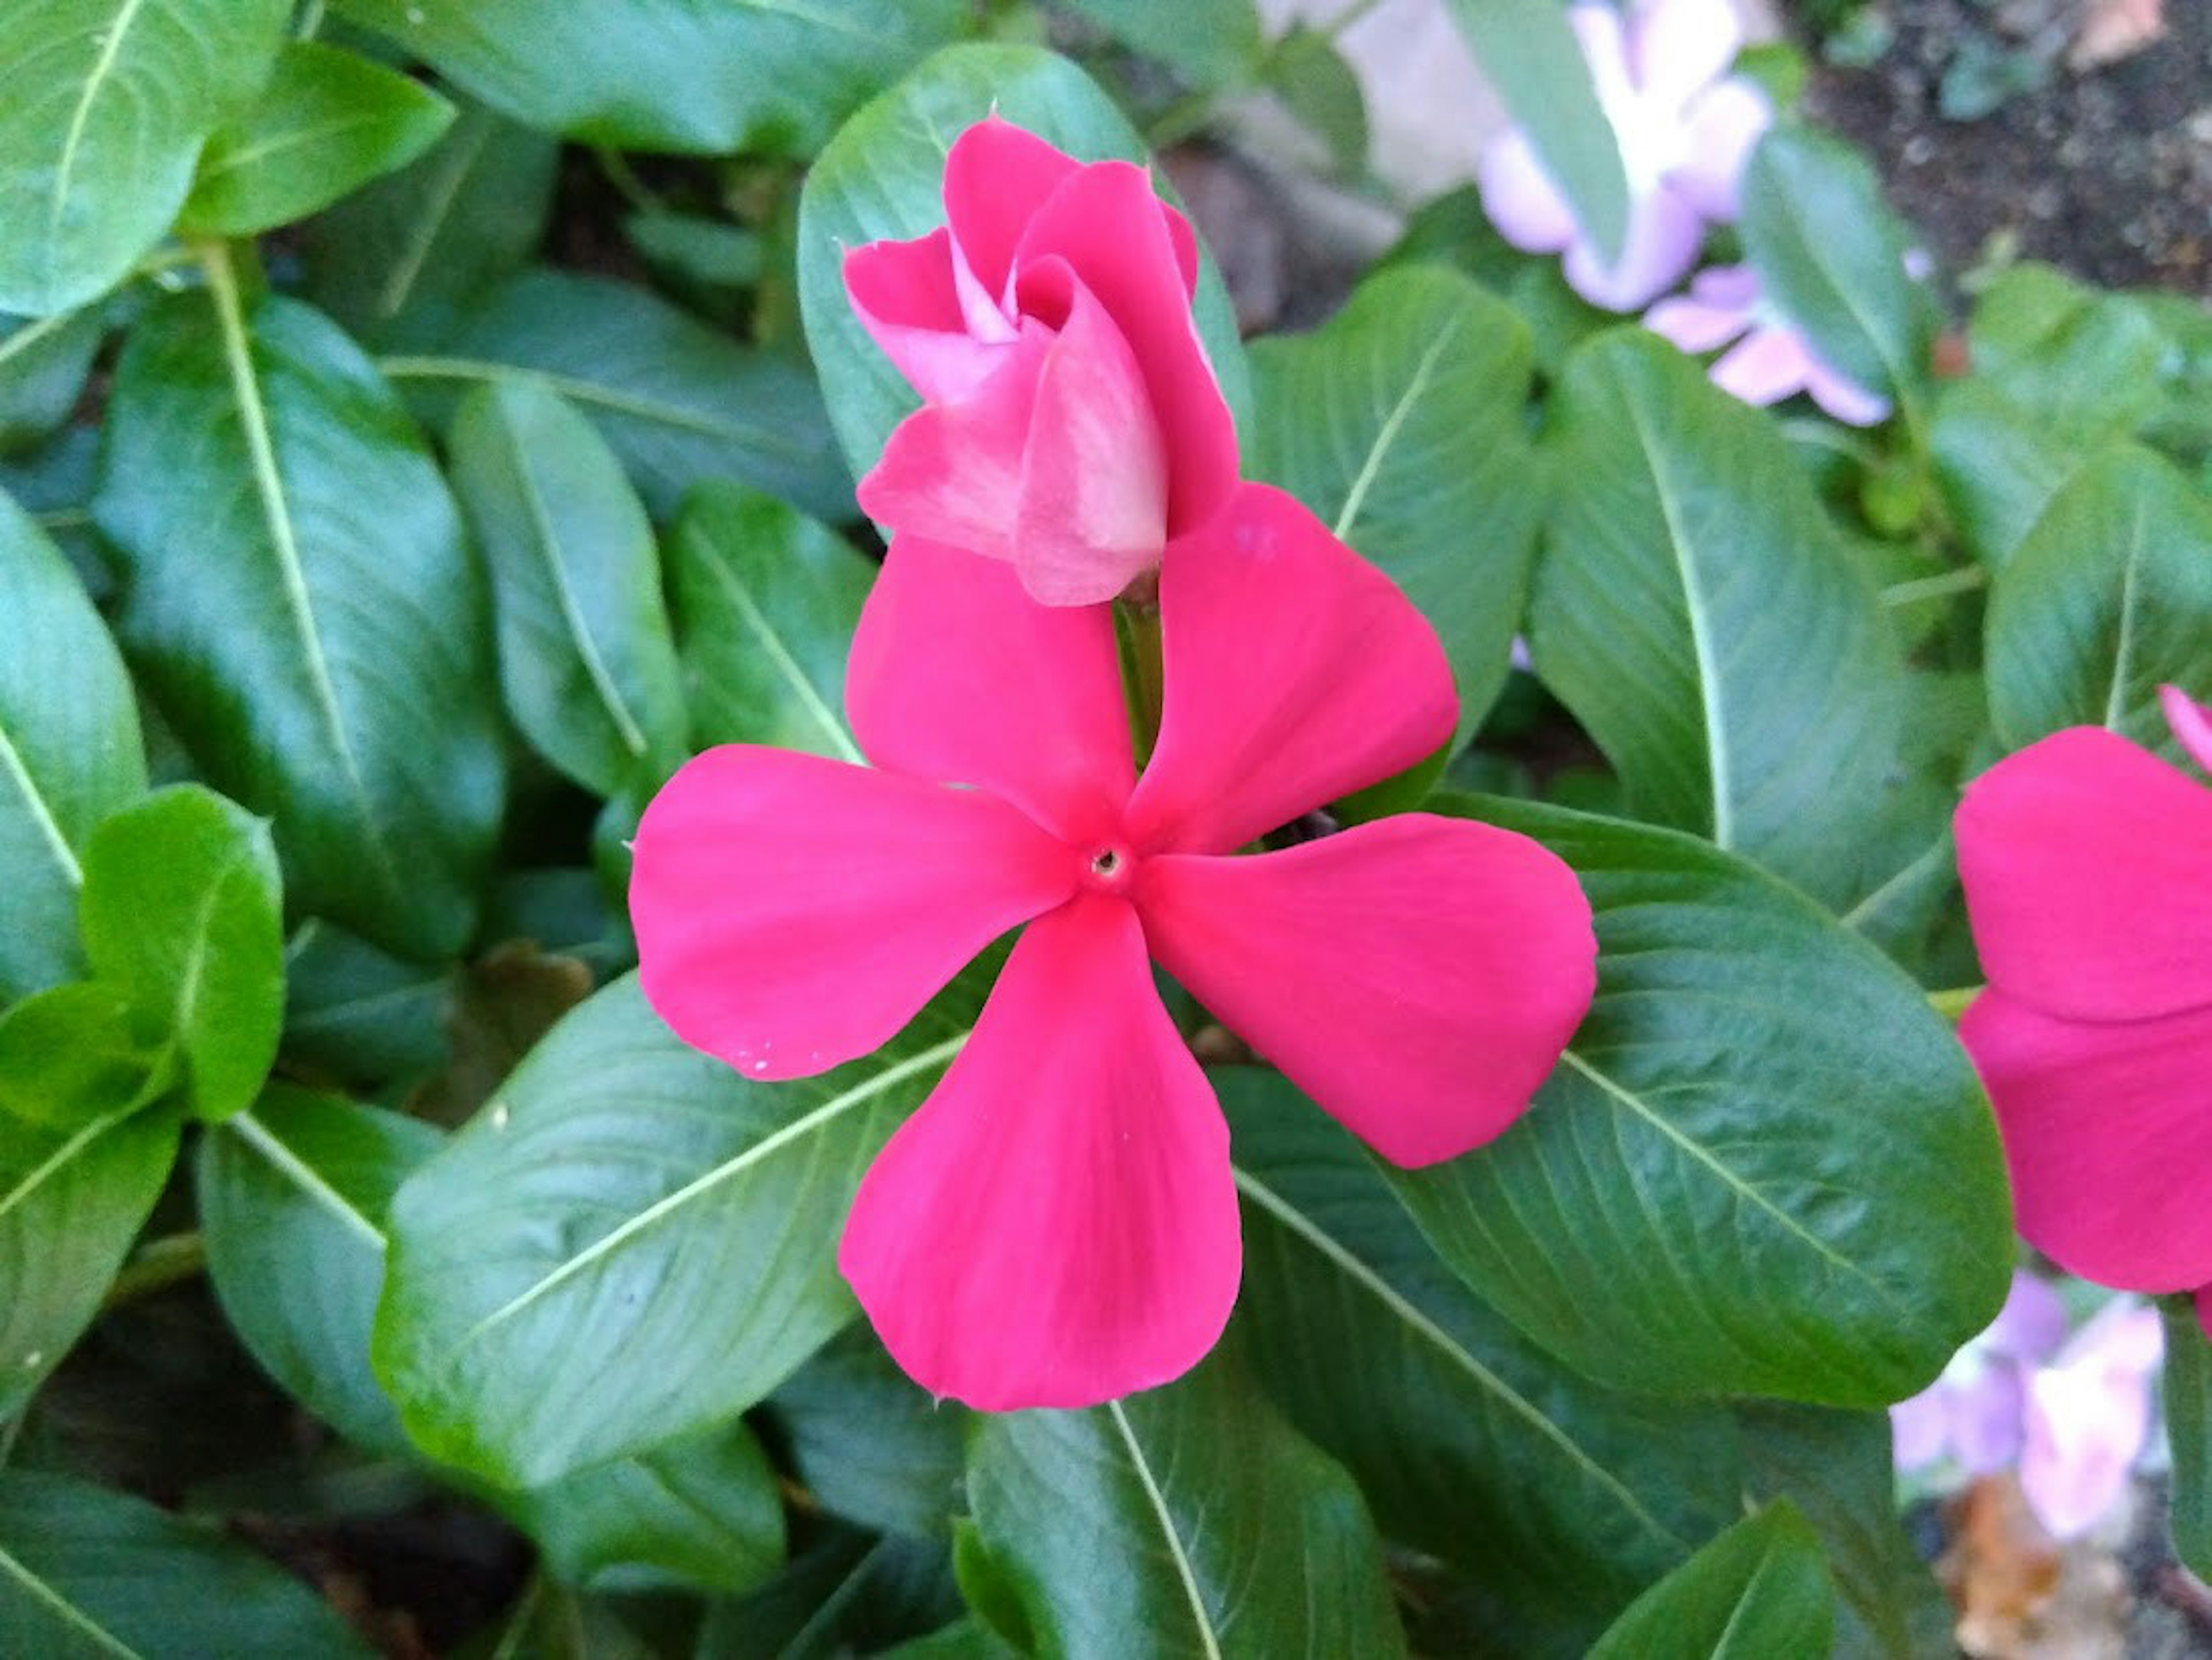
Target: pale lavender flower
1685, 128
1771, 359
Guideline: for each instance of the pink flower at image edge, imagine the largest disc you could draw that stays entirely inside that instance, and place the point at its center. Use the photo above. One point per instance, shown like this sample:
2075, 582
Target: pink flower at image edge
2084, 859
1057, 1225
1771, 359
1071, 424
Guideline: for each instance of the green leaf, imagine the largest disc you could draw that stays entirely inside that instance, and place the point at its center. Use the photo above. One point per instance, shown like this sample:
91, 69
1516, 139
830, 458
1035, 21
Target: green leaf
585, 652
1531, 56
1210, 44
71, 1054
2089, 364
1403, 425
104, 105
328, 123
670, 74
845, 1595
183, 910
43, 362
677, 402
2107, 597
1831, 256
398, 262
1760, 1589
1558, 1499
1764, 1165
883, 176
1698, 613
765, 603
70, 1204
870, 1443
1187, 1520
631, 1242
1309, 76
70, 750
301, 603
86, 1573
360, 1014
1998, 466
2188, 1398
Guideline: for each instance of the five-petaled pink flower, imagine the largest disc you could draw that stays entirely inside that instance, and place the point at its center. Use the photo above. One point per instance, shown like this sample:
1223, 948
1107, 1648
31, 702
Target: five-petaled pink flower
1685, 127
1071, 423
1057, 1225
2084, 859
1772, 360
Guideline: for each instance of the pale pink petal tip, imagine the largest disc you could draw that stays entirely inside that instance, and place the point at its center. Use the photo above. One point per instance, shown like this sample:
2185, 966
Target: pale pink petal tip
2192, 723
1521, 198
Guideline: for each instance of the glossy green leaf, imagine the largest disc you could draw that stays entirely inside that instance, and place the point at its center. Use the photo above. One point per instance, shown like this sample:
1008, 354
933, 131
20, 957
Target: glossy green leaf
883, 177
1830, 255
2188, 1398
1187, 1520
73, 1054
359, 1014
1533, 59
678, 402
328, 122
1699, 615
585, 652
1558, 1499
43, 362
846, 1593
86, 1573
183, 910
670, 74
870, 1443
70, 1203
2087, 364
104, 105
1998, 466
766, 600
70, 750
2107, 597
630, 1242
1764, 1165
1403, 424
1759, 1590
302, 603
397, 262
1209, 43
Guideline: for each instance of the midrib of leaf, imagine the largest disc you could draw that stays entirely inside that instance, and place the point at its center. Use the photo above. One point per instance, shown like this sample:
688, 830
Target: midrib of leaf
829, 21
1723, 1644
188, 993
662, 1208
407, 270
277, 515
1910, 871
103, 66
34, 331
296, 138
1184, 1571
66, 1611
2123, 650
61, 1156
787, 665
1388, 434
1376, 1285
303, 1176
12, 759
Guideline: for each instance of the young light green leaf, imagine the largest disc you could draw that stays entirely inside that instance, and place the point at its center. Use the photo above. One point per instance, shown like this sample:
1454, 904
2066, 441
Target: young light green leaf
585, 652
104, 105
1759, 1590
667, 74
74, 1053
70, 1203
1764, 1165
630, 1242
183, 911
43, 362
1187, 1520
70, 750
328, 122
766, 603
883, 176
2188, 1398
290, 552
2106, 597
84, 1571
1403, 425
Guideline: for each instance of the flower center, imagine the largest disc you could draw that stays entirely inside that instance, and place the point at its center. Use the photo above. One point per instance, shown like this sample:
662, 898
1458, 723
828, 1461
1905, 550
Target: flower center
1111, 865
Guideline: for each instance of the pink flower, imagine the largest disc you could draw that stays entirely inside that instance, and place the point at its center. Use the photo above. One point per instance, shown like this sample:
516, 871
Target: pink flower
2084, 860
1685, 128
1071, 423
1057, 1225
1772, 361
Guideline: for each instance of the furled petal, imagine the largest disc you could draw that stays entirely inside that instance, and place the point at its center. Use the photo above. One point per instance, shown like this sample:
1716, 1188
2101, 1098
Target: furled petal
997, 176
1417, 976
2086, 1422
1844, 400
794, 912
1057, 1225
957, 675
2085, 861
1519, 196
2108, 1134
1677, 48
1295, 672
1664, 235
1769, 365
2032, 1322
1112, 231
1694, 326
2191, 724
1718, 134
906, 297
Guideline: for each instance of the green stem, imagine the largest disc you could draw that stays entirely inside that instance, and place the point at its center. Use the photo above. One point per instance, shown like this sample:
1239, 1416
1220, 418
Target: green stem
1137, 631
623, 176
1965, 579
311, 19
159, 1264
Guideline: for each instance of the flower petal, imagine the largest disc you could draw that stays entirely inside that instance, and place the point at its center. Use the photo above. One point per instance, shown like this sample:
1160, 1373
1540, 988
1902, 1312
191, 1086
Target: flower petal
906, 297
997, 176
1665, 233
1768, 365
1057, 1225
1295, 672
1519, 196
2108, 1134
957, 676
1844, 400
1112, 230
2032, 1322
2191, 723
2084, 860
794, 912
1920, 1428
1985, 1412
1719, 132
1677, 48
1694, 326
1417, 976
2087, 1423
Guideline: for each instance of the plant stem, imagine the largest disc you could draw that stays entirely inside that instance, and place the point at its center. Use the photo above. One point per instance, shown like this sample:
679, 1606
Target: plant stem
159, 1264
